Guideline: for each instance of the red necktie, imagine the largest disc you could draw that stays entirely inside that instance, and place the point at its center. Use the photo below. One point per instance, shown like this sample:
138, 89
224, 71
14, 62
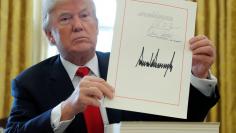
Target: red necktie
82, 71
92, 114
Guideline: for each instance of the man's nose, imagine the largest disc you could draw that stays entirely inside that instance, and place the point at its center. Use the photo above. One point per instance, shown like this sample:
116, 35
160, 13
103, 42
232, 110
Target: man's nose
77, 25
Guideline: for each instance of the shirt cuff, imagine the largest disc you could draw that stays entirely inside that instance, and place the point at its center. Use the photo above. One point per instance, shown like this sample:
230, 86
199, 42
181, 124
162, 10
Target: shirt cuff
57, 125
205, 86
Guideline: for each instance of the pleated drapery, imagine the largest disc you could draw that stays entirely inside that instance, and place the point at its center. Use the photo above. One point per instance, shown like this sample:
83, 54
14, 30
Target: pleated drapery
15, 46
217, 20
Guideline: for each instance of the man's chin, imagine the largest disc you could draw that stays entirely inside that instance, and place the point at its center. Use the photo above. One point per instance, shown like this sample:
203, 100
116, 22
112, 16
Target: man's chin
84, 50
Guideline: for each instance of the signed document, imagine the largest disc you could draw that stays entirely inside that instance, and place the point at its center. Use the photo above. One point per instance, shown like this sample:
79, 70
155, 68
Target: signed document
150, 63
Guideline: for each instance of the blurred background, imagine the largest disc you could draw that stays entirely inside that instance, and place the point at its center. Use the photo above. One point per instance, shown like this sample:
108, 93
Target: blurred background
22, 44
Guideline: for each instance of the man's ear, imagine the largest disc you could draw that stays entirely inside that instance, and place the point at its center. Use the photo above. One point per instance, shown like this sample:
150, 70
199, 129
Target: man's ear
50, 36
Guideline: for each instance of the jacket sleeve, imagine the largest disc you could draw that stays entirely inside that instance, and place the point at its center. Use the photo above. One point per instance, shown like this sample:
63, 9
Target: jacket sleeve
25, 116
199, 104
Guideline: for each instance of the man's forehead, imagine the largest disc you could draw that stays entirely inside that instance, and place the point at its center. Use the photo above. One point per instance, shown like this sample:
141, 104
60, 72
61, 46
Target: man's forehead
69, 5
77, 2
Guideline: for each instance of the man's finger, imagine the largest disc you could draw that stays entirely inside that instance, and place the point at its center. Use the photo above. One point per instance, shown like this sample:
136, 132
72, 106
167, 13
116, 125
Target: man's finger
200, 43
197, 38
106, 90
92, 91
207, 50
88, 100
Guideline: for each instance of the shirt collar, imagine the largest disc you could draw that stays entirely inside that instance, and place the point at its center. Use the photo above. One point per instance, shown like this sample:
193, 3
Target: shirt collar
72, 68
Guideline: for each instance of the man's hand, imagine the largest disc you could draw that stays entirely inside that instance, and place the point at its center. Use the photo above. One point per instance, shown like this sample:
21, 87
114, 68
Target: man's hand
90, 90
203, 55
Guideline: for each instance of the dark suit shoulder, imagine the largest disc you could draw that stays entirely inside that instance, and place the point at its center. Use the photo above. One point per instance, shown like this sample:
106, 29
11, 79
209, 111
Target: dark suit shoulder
33, 99
39, 69
43, 79
36, 78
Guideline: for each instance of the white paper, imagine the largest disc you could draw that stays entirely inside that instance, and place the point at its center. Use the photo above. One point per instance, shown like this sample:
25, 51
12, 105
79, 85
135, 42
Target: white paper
170, 127
152, 32
112, 128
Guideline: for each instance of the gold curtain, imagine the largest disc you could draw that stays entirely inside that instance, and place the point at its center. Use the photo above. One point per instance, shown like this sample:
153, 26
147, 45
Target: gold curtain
217, 20
40, 44
15, 45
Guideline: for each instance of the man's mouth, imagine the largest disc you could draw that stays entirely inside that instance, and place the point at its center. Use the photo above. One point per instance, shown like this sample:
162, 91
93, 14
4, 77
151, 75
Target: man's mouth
80, 39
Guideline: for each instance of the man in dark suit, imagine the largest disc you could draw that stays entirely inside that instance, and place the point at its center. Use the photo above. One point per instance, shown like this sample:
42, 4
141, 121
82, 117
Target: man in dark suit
51, 97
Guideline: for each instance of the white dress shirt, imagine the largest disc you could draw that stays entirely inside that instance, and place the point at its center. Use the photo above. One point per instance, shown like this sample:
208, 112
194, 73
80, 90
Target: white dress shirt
206, 86
60, 126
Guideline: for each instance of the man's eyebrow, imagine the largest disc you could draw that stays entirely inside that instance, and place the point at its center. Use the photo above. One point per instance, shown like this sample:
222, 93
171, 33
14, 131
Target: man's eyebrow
64, 14
84, 9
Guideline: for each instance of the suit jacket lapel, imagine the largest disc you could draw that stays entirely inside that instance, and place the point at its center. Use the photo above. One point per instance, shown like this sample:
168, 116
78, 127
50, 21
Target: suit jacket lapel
103, 61
60, 81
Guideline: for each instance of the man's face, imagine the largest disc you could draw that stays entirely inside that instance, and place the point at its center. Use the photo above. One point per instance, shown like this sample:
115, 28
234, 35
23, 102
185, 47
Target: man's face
73, 27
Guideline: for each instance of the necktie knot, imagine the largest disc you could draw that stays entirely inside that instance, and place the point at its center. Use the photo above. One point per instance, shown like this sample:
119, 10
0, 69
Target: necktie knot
82, 71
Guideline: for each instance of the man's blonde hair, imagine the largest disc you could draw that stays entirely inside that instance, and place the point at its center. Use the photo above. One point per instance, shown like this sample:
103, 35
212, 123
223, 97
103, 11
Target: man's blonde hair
47, 7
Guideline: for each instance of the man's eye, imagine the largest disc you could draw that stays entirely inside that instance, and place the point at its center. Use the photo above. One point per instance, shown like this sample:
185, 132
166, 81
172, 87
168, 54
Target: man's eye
84, 15
65, 20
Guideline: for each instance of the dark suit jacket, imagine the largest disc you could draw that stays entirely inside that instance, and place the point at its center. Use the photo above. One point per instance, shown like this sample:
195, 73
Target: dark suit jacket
39, 89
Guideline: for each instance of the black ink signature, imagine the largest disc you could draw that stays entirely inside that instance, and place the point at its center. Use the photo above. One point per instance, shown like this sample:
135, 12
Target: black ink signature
153, 62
